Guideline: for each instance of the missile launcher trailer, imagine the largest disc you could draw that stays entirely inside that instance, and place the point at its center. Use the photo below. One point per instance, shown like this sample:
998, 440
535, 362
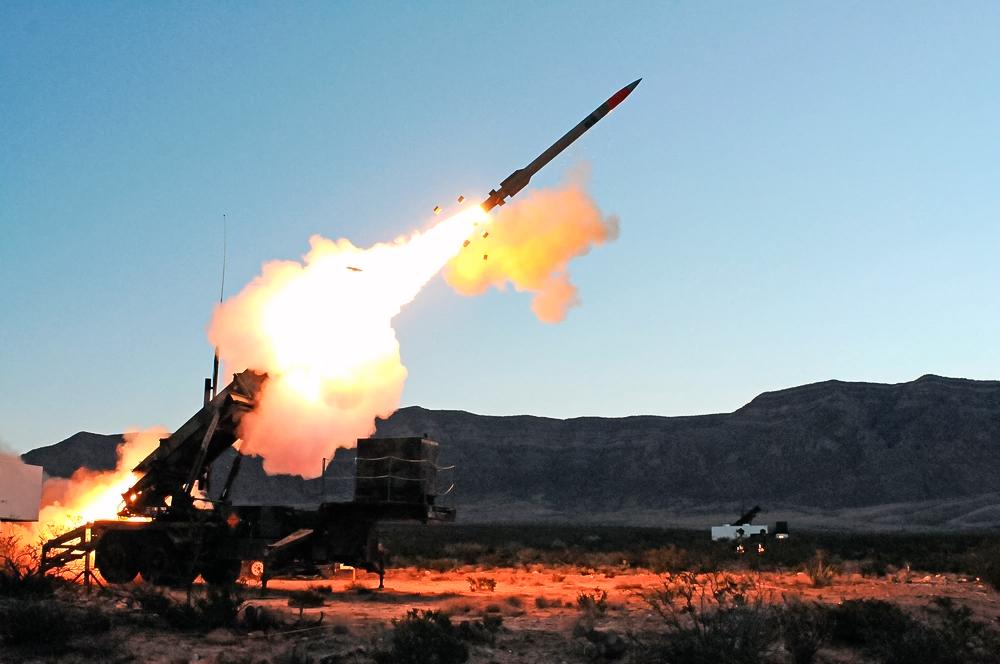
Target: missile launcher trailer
170, 535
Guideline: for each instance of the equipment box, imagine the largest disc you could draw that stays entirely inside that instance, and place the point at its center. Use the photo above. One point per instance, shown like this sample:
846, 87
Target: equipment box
20, 490
396, 470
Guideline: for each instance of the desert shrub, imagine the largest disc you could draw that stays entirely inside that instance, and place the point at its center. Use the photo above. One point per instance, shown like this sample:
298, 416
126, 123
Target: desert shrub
305, 599
182, 616
423, 637
594, 604
949, 636
718, 618
151, 600
804, 628
482, 583
442, 564
21, 571
483, 631
219, 607
261, 618
545, 603
48, 625
44, 623
515, 601
668, 558
24, 582
862, 622
359, 588
985, 563
872, 567
819, 570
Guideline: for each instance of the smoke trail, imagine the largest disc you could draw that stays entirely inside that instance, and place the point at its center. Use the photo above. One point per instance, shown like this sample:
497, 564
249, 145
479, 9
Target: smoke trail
322, 330
530, 244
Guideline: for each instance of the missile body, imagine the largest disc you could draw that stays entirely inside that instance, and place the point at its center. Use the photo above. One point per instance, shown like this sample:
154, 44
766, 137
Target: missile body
519, 179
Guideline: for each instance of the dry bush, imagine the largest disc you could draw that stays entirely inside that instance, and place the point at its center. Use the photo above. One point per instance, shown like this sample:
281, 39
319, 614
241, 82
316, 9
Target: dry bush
546, 603
594, 604
820, 572
883, 631
218, 607
305, 599
668, 558
711, 618
21, 570
359, 588
482, 584
423, 637
804, 629
483, 631
50, 626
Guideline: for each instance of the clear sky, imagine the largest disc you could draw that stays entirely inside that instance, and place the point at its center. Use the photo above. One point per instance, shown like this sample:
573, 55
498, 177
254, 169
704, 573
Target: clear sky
806, 190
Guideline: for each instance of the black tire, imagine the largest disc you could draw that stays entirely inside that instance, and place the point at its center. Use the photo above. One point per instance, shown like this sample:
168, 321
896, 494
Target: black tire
221, 572
116, 557
163, 565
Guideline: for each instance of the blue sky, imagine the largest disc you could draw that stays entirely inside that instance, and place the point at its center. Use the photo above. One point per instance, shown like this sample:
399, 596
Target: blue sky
806, 191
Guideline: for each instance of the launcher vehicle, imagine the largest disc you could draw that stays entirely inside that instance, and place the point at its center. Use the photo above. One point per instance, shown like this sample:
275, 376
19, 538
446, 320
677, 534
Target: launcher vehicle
741, 528
169, 534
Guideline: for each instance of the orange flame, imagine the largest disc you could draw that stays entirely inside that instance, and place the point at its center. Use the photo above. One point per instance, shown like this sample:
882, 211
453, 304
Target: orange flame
90, 495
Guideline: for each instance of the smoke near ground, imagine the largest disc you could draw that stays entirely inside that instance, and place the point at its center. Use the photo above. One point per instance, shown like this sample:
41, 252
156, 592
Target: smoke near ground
530, 244
90, 494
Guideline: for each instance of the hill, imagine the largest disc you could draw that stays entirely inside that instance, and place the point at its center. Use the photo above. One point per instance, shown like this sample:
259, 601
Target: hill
922, 454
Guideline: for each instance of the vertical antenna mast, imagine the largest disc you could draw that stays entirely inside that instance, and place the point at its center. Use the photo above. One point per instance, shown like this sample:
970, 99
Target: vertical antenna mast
222, 291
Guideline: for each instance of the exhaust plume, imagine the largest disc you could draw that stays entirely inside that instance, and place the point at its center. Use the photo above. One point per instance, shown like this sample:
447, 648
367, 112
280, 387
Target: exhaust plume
530, 244
90, 494
322, 330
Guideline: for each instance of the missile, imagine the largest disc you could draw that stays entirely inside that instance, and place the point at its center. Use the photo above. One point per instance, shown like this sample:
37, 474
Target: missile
519, 179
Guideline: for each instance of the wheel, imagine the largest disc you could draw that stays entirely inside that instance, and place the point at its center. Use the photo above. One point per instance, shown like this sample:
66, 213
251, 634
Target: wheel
253, 570
115, 557
221, 572
162, 565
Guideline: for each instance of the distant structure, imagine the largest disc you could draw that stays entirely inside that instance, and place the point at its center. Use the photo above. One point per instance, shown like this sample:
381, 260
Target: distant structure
743, 528
20, 490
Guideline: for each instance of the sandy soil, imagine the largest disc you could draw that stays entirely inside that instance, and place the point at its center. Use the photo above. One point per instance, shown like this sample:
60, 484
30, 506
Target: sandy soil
538, 606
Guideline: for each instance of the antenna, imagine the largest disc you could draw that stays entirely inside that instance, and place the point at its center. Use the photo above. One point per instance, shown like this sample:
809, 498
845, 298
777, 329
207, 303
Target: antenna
222, 292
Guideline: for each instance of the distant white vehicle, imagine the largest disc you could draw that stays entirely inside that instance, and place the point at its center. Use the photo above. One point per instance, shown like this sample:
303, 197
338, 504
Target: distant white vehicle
20, 490
742, 529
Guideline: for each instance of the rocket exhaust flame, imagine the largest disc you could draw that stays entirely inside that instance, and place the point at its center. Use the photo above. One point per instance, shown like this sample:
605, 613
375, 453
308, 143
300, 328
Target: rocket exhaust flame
89, 494
324, 335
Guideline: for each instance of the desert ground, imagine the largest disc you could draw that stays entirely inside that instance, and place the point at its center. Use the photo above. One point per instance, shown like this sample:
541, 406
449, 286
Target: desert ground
539, 606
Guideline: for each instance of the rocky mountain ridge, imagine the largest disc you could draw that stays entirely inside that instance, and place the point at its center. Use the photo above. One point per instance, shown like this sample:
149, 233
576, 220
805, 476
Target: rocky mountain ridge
925, 453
